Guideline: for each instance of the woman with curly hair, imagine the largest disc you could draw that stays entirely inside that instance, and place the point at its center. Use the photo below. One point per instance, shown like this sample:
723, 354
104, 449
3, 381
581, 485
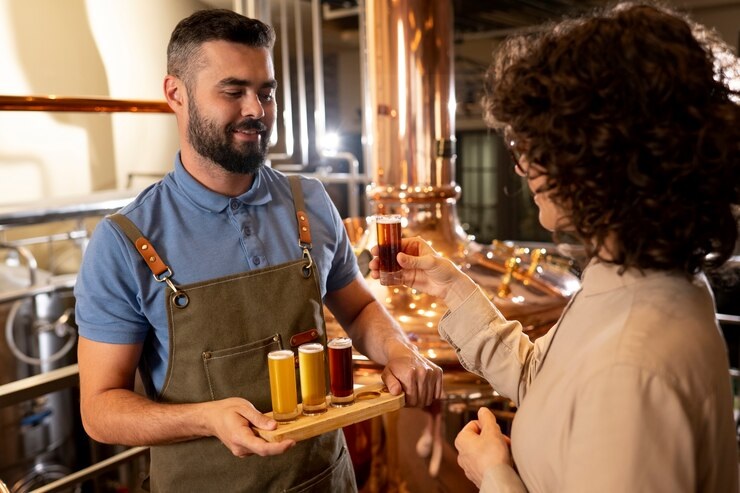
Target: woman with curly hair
627, 132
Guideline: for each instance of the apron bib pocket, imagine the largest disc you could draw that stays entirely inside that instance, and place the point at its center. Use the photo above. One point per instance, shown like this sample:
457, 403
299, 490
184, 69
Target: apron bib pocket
238, 370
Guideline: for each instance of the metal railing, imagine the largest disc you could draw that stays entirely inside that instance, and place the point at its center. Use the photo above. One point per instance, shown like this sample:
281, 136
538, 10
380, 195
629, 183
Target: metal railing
52, 381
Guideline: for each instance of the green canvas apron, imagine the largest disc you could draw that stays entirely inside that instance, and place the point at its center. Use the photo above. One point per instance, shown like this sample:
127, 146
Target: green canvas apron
220, 332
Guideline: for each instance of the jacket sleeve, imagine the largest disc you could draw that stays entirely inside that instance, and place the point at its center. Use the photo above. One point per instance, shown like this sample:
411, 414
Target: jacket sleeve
492, 347
502, 479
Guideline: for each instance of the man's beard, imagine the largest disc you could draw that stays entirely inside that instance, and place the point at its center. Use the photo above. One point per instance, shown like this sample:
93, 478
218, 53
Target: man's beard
219, 146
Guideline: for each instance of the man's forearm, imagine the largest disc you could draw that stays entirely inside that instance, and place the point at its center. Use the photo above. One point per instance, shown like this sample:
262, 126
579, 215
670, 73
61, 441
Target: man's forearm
123, 417
374, 333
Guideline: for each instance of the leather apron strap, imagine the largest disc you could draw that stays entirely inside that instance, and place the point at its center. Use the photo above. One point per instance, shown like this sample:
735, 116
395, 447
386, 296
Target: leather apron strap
218, 345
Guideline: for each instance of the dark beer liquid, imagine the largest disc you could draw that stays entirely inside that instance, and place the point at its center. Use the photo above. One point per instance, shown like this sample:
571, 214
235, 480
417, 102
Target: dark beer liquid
340, 371
389, 244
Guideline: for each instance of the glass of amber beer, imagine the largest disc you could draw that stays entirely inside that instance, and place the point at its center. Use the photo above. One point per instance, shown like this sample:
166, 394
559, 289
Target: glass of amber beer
389, 244
341, 381
281, 365
313, 378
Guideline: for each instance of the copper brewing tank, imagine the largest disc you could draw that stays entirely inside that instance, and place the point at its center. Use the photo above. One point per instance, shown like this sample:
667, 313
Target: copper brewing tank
409, 137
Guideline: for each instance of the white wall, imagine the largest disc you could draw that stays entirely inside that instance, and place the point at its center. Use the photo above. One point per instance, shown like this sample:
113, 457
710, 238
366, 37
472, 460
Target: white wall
83, 48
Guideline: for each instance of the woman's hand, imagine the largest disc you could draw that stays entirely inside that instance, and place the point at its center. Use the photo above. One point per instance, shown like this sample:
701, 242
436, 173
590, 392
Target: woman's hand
423, 268
481, 445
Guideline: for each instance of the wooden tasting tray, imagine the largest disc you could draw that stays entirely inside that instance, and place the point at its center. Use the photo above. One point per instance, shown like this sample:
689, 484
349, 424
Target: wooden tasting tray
370, 401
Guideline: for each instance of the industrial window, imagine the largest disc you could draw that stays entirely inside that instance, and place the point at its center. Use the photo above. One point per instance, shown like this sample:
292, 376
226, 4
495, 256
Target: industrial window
495, 202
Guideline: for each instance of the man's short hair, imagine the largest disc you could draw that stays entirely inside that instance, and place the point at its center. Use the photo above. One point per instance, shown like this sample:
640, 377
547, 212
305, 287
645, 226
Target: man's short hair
183, 50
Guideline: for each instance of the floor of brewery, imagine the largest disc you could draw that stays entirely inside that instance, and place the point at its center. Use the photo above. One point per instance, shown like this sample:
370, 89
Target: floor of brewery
400, 469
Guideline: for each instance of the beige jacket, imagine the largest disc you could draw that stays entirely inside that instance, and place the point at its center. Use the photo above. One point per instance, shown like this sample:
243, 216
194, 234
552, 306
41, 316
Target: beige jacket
629, 392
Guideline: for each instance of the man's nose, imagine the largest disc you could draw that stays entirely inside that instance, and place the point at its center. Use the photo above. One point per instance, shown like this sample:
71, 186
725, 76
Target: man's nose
252, 106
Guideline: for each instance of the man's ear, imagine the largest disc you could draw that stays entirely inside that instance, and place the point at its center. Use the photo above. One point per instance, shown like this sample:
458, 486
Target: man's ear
174, 92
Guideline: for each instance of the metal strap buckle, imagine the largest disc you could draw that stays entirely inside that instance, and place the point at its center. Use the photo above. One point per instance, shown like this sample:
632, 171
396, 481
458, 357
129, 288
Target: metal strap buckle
165, 277
307, 256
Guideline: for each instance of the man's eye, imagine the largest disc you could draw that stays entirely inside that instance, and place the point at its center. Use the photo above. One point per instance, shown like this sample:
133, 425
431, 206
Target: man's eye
267, 97
234, 94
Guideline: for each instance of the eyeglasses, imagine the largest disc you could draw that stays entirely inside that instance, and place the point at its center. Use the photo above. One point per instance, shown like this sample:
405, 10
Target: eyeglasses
516, 156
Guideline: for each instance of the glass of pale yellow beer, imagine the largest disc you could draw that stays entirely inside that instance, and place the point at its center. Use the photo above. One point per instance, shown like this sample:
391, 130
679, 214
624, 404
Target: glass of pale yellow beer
313, 378
281, 365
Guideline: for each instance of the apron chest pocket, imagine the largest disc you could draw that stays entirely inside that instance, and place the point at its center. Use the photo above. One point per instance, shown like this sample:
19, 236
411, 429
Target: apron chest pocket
241, 371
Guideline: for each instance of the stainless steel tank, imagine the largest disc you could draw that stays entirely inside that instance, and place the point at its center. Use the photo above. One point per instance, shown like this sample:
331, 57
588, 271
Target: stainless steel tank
38, 335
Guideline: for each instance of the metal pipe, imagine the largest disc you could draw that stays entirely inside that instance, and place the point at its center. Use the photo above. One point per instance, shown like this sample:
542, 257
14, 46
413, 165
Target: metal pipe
24, 252
92, 471
728, 319
320, 112
301, 69
38, 385
55, 284
86, 105
71, 235
59, 209
286, 84
353, 179
255, 9
339, 13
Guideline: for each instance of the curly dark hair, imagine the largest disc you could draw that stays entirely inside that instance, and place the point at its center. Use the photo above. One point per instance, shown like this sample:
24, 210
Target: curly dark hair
630, 114
183, 50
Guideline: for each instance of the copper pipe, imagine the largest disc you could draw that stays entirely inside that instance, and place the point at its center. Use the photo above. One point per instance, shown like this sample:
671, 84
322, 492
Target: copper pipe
86, 105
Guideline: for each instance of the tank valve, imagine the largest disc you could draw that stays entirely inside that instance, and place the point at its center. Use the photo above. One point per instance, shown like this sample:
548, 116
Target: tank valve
504, 288
534, 262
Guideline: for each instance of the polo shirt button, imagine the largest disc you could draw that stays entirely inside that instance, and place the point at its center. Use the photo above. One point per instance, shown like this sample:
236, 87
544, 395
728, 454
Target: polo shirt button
247, 231
234, 205
256, 260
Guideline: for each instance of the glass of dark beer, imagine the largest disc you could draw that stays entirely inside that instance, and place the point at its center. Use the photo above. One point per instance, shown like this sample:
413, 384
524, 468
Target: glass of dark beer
389, 244
341, 381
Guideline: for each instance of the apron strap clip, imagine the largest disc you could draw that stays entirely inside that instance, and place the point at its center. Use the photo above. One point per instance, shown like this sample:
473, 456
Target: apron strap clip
179, 299
165, 277
309, 259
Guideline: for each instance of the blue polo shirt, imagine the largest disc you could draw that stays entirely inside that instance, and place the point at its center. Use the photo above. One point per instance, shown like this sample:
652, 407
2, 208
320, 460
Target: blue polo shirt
200, 235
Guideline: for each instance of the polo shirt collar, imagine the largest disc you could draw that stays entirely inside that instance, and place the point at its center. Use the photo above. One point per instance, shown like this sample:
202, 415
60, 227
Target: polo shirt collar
209, 200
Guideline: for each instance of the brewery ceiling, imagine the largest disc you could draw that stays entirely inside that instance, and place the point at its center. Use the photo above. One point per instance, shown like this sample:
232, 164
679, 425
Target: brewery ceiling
491, 17
476, 16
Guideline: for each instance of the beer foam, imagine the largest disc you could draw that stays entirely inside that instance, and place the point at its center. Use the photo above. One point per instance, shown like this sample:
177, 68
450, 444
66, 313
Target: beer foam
280, 354
340, 343
311, 347
388, 218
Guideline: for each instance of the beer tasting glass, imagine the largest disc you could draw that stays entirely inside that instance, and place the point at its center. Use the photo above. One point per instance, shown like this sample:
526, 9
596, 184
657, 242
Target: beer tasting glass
313, 378
281, 365
389, 244
341, 381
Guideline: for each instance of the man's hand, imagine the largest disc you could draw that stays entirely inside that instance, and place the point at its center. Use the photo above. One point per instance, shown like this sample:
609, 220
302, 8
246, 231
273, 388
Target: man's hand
229, 419
410, 372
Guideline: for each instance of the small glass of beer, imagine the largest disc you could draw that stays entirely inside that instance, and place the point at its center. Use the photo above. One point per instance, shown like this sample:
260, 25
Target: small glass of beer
389, 244
340, 372
281, 365
313, 378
